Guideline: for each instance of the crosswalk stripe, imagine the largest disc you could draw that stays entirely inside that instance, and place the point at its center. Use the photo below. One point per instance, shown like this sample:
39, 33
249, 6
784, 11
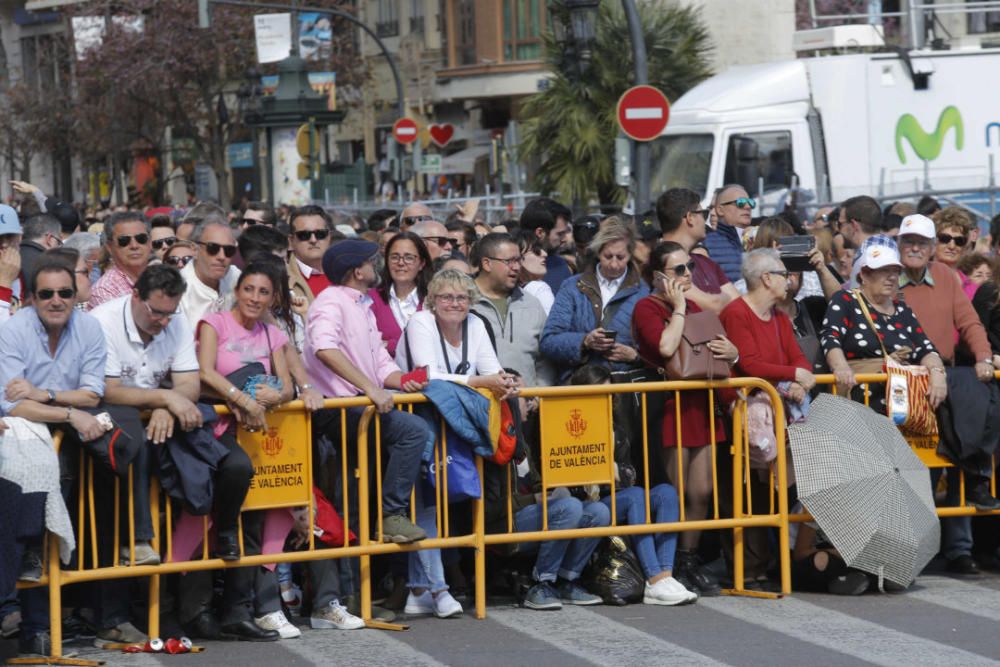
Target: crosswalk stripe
357, 647
964, 596
842, 633
584, 634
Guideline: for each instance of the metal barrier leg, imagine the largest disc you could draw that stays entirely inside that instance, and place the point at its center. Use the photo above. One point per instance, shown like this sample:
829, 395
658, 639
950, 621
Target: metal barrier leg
55, 597
154, 580
479, 529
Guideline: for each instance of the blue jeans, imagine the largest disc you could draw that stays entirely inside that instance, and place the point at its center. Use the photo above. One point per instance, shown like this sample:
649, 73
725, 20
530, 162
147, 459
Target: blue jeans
425, 566
562, 558
656, 551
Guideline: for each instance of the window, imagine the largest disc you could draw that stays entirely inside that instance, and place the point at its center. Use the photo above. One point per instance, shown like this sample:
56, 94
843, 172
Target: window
760, 155
523, 26
465, 32
387, 20
417, 16
681, 161
984, 21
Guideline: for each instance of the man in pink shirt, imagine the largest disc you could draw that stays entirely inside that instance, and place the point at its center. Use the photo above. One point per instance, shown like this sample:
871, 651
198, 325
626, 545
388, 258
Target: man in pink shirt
128, 242
345, 357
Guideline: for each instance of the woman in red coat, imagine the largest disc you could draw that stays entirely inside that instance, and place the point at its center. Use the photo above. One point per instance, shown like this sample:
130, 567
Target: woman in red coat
658, 320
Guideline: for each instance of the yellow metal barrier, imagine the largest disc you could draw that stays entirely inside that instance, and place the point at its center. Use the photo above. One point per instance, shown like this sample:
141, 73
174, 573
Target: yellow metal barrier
290, 443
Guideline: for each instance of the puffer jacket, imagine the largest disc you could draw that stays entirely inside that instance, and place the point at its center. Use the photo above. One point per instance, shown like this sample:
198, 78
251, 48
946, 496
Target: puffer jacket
578, 310
517, 336
726, 249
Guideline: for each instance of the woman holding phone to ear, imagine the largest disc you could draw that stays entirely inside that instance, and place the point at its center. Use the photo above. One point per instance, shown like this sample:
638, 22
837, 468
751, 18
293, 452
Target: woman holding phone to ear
590, 320
658, 321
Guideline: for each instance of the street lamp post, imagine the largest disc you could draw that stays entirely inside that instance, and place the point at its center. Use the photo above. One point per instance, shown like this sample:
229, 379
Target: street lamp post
583, 23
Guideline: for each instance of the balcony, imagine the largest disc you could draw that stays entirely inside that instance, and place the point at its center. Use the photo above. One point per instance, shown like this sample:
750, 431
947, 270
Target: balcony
387, 28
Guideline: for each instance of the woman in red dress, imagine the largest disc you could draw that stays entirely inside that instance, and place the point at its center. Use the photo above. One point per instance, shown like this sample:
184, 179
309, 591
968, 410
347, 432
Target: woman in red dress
658, 320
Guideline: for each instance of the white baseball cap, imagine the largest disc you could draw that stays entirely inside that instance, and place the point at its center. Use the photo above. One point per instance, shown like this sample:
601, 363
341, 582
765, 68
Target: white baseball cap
879, 256
9, 222
918, 224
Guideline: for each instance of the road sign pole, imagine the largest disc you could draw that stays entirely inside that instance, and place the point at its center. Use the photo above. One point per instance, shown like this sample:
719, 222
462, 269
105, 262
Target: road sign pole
641, 166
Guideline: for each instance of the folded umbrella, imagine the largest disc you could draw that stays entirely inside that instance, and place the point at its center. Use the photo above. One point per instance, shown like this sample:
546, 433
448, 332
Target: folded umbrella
869, 493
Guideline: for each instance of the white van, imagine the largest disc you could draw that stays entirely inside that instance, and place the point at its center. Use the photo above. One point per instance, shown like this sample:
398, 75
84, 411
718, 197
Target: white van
882, 124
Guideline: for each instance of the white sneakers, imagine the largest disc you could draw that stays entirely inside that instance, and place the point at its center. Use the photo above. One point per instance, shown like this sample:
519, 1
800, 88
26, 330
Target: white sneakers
667, 592
335, 615
443, 605
276, 621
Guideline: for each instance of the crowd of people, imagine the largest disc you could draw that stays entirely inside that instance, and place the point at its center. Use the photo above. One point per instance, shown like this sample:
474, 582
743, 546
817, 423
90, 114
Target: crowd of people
163, 314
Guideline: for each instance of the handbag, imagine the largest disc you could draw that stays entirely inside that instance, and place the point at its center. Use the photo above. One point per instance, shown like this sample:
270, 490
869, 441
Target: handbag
463, 477
693, 359
906, 388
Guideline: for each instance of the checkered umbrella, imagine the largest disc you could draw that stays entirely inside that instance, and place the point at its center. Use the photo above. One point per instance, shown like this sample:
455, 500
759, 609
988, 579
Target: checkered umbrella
866, 488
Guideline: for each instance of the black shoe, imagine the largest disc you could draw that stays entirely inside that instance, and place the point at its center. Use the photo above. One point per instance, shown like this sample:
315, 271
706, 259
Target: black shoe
31, 567
227, 547
248, 631
39, 645
693, 576
851, 583
979, 497
963, 565
204, 626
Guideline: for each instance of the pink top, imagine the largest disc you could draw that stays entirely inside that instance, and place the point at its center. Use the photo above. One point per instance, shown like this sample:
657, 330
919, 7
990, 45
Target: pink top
340, 318
113, 284
239, 347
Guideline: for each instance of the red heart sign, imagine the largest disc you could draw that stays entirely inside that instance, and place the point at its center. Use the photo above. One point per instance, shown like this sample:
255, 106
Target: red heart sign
441, 133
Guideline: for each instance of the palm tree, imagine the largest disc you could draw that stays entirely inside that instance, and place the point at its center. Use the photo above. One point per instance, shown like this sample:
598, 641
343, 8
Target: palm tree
570, 127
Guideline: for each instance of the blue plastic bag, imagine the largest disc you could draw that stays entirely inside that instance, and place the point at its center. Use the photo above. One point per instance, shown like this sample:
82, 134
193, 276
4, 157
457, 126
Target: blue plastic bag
463, 478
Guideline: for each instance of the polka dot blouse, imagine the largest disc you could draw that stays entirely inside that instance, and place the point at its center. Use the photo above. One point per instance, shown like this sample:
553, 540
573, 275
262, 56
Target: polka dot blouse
845, 328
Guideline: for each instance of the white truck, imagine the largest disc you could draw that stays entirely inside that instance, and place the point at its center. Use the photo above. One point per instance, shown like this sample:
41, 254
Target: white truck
884, 124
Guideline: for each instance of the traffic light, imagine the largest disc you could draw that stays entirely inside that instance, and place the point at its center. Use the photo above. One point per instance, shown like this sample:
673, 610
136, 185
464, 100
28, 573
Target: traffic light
307, 145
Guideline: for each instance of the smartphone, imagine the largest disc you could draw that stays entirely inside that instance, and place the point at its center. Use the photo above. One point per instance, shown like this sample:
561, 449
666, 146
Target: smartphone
659, 276
609, 333
418, 375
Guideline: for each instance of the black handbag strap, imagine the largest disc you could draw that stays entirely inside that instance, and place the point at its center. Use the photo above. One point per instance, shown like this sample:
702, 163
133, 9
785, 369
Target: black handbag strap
463, 367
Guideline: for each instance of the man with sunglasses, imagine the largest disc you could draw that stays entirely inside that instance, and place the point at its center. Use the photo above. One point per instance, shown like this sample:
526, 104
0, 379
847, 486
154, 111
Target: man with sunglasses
682, 220
52, 360
310, 236
436, 238
414, 213
733, 211
211, 276
127, 239
257, 213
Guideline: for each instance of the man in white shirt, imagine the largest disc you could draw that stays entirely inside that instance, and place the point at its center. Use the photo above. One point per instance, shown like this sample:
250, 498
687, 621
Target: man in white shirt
211, 276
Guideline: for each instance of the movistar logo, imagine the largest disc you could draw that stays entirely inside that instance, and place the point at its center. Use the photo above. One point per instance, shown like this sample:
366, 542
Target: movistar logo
928, 146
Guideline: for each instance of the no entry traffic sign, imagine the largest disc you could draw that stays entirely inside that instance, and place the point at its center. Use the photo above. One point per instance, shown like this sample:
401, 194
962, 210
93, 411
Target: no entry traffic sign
404, 131
643, 112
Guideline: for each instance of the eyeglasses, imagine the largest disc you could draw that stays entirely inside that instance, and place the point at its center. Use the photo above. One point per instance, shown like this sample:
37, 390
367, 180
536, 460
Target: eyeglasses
125, 240
167, 241
449, 299
414, 219
47, 294
783, 274
307, 234
214, 248
408, 258
159, 314
681, 269
442, 241
179, 261
915, 240
742, 202
945, 239
510, 261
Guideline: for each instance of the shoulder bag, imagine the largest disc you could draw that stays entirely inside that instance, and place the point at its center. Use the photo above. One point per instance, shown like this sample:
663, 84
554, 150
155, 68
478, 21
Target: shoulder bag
906, 388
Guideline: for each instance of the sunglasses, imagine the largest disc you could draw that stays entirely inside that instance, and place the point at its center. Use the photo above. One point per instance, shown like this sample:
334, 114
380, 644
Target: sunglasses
742, 202
681, 269
945, 239
307, 234
46, 294
214, 248
179, 261
703, 212
168, 241
414, 219
250, 222
126, 240
442, 241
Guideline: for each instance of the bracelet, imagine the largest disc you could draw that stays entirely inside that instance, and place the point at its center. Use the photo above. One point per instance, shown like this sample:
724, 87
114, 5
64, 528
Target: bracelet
69, 412
680, 314
937, 369
232, 390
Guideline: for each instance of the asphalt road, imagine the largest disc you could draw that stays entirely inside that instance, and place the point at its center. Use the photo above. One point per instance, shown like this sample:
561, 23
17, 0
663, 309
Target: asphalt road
938, 621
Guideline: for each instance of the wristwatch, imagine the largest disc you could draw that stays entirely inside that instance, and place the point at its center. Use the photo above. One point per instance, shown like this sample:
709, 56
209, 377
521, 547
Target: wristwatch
52, 395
